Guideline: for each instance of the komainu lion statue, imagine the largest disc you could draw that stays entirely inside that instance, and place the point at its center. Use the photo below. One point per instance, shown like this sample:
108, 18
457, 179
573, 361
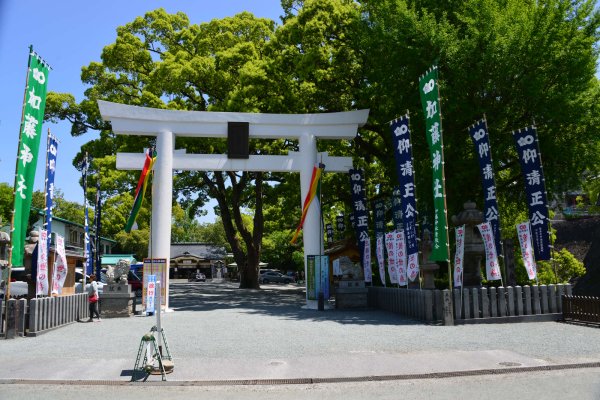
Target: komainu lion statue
118, 273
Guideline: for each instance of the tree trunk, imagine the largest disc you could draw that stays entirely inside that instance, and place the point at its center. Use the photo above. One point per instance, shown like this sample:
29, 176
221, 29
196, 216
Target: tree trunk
231, 216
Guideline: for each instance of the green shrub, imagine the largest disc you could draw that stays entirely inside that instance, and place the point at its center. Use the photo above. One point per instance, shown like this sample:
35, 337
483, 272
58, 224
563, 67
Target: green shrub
565, 264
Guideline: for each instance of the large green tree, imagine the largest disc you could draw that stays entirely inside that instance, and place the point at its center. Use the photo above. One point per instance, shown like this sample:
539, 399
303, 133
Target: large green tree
161, 60
514, 61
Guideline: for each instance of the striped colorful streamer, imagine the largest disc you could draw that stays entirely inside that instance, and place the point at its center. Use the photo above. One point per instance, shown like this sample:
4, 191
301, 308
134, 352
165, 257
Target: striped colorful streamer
315, 186
141, 189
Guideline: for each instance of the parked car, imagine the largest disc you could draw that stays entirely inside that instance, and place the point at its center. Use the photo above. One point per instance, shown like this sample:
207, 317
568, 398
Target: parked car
136, 283
17, 289
18, 274
197, 277
276, 277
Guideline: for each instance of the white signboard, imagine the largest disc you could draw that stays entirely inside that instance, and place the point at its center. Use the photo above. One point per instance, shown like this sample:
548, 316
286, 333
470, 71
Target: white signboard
41, 287
150, 293
337, 269
524, 233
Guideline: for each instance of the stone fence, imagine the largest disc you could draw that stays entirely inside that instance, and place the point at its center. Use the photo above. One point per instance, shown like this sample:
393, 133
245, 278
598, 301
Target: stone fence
476, 305
42, 314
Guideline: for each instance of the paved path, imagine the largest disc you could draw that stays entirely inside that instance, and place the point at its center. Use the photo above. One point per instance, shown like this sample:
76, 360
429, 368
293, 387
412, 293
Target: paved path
217, 333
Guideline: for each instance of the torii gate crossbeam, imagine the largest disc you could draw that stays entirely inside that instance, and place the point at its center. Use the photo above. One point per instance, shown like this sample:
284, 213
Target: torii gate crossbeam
167, 124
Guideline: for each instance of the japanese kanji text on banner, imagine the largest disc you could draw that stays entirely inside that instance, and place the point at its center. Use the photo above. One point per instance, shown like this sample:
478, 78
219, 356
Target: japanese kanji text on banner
430, 100
535, 187
29, 145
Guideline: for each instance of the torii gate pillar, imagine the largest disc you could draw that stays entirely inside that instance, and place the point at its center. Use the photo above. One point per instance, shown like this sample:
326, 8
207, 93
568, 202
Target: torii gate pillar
312, 223
162, 203
167, 124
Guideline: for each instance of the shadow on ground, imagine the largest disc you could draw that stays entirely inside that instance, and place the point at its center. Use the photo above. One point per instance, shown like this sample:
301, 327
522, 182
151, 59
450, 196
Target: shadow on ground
284, 301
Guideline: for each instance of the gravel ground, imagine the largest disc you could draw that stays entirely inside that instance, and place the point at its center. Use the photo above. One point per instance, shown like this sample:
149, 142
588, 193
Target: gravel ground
213, 323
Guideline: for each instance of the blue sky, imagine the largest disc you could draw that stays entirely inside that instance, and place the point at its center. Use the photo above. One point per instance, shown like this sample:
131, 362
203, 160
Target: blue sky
70, 34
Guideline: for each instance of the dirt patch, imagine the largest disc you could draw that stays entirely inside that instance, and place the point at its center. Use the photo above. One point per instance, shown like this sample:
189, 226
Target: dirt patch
582, 238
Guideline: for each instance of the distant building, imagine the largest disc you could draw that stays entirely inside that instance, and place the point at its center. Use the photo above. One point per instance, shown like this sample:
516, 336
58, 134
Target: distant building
74, 235
187, 258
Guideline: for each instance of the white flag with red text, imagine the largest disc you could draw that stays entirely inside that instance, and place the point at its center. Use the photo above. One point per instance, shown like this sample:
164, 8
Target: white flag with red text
60, 266
41, 287
492, 267
458, 256
524, 233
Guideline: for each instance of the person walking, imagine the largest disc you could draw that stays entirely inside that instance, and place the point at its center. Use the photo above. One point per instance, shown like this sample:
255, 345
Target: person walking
93, 298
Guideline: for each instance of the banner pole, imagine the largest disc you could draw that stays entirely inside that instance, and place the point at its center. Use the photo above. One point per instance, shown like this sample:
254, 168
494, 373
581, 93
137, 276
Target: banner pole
45, 219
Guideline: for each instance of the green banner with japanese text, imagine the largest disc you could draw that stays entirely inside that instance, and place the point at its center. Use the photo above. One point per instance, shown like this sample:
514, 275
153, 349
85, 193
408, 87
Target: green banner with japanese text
430, 100
27, 153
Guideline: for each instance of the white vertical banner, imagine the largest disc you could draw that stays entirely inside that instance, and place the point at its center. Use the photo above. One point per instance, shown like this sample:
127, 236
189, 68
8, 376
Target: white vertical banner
390, 245
401, 260
60, 266
491, 259
41, 287
459, 255
367, 261
380, 258
524, 233
413, 266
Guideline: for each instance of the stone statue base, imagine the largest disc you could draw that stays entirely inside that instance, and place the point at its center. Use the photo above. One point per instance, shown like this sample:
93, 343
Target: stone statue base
116, 300
428, 270
351, 294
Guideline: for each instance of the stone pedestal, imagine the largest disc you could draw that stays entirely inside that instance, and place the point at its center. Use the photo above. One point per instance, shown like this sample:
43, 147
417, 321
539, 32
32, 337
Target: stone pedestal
116, 300
428, 270
428, 267
351, 294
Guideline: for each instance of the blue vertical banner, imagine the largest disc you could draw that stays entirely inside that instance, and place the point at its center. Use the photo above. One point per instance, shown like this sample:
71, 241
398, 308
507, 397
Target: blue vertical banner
406, 181
98, 223
87, 248
397, 208
535, 188
329, 233
340, 225
324, 276
480, 136
379, 217
359, 206
52, 150
379, 213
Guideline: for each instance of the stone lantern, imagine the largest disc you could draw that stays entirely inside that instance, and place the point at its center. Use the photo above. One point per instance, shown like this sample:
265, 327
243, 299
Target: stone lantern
474, 248
428, 267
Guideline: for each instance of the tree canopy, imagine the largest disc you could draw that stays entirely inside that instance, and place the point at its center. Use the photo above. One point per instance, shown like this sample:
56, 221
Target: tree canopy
515, 62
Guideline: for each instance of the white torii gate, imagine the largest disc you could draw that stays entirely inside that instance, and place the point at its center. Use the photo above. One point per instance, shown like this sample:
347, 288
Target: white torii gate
166, 124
